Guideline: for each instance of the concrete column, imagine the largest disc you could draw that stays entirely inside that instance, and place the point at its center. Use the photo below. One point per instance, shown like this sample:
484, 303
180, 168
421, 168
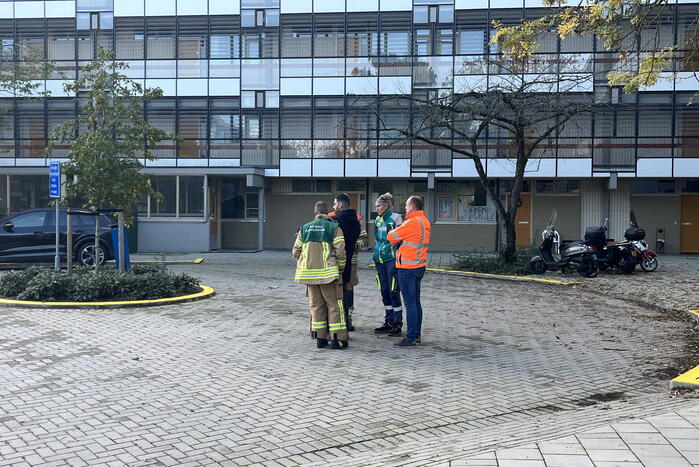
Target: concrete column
619, 207
593, 208
261, 219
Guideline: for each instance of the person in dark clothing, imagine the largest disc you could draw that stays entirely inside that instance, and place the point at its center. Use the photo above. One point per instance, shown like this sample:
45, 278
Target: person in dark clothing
355, 238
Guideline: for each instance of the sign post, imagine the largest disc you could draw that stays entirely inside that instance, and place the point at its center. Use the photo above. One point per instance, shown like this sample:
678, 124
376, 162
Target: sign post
55, 192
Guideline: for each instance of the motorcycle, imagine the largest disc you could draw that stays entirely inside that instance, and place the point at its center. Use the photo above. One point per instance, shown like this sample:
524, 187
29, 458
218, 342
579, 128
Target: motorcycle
635, 240
608, 254
552, 256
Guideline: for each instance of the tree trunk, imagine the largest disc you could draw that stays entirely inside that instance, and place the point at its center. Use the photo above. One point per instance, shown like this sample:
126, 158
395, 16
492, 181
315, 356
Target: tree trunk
509, 254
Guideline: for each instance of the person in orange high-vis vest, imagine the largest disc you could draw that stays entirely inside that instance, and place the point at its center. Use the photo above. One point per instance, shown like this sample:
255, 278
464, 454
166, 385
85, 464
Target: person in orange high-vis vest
412, 238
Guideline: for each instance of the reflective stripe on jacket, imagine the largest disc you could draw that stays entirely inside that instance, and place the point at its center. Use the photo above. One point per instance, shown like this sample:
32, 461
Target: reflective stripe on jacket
382, 226
413, 238
319, 251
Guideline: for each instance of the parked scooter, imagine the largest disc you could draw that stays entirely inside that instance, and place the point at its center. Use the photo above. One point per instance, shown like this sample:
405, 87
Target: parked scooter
635, 239
608, 254
552, 256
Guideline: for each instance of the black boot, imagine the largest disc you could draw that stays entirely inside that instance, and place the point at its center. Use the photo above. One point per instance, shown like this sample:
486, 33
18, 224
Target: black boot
395, 330
385, 329
338, 344
321, 343
348, 320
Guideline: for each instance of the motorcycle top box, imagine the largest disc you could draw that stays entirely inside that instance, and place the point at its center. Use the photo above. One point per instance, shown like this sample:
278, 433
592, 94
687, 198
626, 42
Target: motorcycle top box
634, 234
595, 235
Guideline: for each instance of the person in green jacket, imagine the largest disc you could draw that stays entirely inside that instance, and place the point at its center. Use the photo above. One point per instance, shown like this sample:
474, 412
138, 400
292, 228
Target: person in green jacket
385, 263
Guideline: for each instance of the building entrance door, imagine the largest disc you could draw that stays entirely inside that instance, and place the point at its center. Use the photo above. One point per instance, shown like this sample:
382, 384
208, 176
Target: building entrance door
689, 233
354, 201
523, 221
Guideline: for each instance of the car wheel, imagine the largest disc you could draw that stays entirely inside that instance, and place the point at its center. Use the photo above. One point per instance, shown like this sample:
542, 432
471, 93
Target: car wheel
85, 255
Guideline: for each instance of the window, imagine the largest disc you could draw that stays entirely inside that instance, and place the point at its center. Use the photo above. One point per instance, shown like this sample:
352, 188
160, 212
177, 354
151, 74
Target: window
640, 186
395, 33
308, 185
167, 187
130, 37
224, 38
463, 202
30, 38
30, 220
251, 204
233, 199
362, 35
61, 40
160, 38
688, 186
433, 14
329, 37
191, 196
296, 36
558, 186
259, 99
28, 192
192, 37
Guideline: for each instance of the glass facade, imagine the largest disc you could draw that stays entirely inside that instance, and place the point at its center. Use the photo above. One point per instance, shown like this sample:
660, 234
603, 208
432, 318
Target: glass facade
301, 79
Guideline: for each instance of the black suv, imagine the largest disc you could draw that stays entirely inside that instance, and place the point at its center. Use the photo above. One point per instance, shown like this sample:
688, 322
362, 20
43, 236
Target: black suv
30, 237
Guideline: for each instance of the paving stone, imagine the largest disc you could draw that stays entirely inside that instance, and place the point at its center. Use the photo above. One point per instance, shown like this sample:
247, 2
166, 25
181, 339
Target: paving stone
604, 444
518, 453
617, 455
561, 448
236, 379
566, 460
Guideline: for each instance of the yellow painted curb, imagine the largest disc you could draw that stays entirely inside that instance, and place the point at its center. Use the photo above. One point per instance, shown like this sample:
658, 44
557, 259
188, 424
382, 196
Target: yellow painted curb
157, 261
689, 379
502, 276
206, 292
694, 312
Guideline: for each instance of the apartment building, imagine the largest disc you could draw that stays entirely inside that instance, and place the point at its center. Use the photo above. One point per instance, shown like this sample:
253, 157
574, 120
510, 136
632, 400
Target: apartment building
260, 92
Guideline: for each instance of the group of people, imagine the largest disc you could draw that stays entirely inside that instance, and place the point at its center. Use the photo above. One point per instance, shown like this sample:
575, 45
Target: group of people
326, 251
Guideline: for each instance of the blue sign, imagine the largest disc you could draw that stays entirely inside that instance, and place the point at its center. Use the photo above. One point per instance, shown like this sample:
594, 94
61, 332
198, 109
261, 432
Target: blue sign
55, 179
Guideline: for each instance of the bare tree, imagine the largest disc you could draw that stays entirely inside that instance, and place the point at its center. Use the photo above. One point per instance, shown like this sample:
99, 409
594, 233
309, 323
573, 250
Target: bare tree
514, 118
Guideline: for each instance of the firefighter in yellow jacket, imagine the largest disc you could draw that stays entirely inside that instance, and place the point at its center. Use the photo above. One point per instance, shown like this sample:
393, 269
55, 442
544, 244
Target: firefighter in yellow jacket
319, 252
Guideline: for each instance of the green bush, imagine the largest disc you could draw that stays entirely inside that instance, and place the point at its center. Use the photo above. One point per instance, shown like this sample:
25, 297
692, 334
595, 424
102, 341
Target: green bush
144, 282
495, 264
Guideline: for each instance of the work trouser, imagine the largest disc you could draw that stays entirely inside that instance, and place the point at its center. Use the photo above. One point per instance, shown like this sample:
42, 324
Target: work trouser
327, 311
348, 301
410, 280
387, 277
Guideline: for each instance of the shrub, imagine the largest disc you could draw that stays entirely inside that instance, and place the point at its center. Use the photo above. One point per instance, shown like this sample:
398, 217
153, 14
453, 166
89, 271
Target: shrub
495, 264
143, 282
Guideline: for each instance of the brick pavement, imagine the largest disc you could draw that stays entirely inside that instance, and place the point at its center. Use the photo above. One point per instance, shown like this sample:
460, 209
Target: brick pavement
235, 380
667, 440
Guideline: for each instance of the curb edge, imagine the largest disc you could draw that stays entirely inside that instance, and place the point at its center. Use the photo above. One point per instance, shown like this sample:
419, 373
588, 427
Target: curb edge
206, 292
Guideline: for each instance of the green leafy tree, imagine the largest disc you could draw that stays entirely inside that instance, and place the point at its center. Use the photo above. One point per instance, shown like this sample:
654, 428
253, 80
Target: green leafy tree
107, 139
635, 29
